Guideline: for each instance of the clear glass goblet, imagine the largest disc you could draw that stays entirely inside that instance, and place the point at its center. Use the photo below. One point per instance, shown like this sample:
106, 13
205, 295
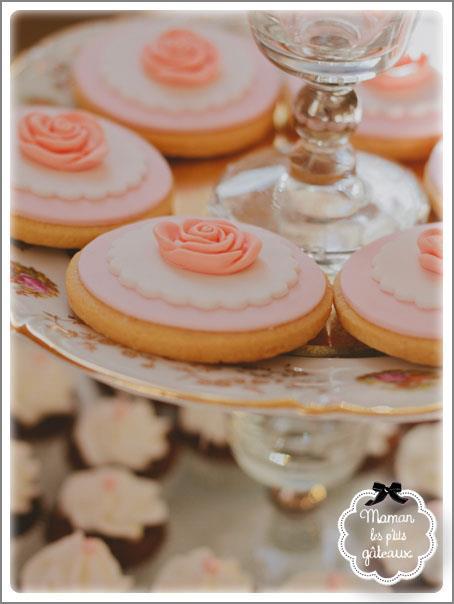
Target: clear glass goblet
320, 193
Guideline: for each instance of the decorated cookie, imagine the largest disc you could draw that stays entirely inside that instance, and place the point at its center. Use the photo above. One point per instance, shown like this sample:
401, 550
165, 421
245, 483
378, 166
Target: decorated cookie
124, 510
75, 563
25, 487
433, 179
388, 294
124, 432
197, 289
206, 430
418, 464
76, 176
192, 90
402, 111
200, 570
43, 391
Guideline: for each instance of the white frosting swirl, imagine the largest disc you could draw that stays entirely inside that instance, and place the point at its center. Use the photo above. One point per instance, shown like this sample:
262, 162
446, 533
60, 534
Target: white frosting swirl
121, 431
74, 563
210, 425
398, 271
121, 69
41, 385
135, 259
418, 460
25, 470
113, 502
123, 168
201, 571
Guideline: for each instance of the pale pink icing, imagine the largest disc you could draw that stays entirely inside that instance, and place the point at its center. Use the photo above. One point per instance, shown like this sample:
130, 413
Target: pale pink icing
156, 185
408, 126
98, 279
180, 57
430, 244
365, 296
213, 247
406, 74
435, 167
70, 142
259, 98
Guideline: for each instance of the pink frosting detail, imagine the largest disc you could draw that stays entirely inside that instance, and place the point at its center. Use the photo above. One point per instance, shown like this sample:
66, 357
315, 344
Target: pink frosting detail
260, 97
156, 185
211, 565
180, 57
366, 297
109, 483
98, 279
68, 141
213, 247
430, 244
406, 73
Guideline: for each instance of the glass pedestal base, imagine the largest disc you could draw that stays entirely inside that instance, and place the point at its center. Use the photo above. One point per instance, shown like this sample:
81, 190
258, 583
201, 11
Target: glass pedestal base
328, 221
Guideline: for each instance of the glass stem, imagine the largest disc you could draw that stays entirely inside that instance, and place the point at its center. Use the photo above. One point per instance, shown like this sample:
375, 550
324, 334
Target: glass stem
325, 116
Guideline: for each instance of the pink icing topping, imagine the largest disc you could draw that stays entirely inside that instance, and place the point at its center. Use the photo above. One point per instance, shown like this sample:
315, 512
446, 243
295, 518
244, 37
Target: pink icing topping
406, 73
213, 247
430, 244
211, 565
180, 57
68, 141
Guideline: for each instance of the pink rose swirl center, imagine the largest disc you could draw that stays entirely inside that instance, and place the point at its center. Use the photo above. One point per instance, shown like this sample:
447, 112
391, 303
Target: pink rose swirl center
180, 57
213, 247
430, 244
71, 142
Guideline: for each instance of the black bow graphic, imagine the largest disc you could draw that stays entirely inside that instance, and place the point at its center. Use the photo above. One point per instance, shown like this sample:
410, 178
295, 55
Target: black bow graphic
382, 491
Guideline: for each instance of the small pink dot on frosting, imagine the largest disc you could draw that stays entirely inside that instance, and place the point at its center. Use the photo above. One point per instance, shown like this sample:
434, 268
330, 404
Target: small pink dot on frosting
430, 244
181, 57
89, 545
109, 483
406, 74
213, 247
70, 142
334, 581
121, 408
211, 565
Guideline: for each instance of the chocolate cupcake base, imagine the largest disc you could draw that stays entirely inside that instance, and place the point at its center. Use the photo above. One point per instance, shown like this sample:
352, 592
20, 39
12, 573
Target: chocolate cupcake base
206, 449
126, 551
47, 428
21, 523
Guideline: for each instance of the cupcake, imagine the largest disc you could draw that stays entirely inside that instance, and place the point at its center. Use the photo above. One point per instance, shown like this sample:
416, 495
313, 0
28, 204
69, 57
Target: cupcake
124, 432
418, 464
126, 511
77, 175
402, 111
75, 563
176, 82
43, 396
202, 571
381, 442
206, 430
25, 487
416, 541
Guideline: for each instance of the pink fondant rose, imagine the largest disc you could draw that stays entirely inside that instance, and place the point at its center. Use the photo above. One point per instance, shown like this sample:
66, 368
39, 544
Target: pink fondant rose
406, 73
213, 247
430, 244
68, 141
181, 57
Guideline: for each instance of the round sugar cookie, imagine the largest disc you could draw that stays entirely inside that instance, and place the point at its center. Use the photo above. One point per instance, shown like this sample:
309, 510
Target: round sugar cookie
192, 90
389, 294
402, 111
197, 289
433, 179
76, 176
